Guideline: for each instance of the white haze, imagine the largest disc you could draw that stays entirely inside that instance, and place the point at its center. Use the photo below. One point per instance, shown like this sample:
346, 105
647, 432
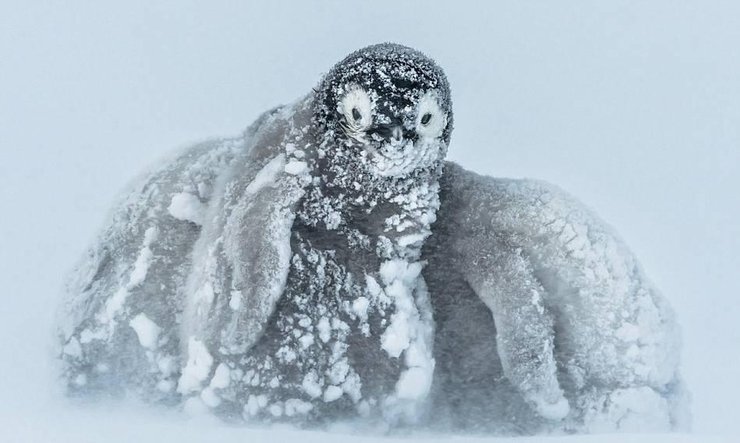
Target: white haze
632, 106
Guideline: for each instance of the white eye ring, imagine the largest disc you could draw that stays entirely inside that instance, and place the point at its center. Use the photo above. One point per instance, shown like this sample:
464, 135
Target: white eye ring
430, 120
356, 107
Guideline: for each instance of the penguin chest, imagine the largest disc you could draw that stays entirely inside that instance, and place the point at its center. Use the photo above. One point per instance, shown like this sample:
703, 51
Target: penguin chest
322, 355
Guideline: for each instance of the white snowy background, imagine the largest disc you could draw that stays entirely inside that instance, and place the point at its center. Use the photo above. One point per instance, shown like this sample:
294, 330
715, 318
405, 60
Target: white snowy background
632, 106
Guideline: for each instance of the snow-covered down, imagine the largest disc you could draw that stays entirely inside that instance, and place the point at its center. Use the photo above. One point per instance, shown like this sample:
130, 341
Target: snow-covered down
328, 266
277, 276
581, 333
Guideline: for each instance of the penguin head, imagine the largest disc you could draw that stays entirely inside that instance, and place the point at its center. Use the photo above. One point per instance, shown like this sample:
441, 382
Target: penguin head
387, 106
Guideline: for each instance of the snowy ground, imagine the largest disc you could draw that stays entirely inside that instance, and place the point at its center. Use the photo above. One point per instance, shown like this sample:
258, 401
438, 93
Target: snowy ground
125, 425
631, 106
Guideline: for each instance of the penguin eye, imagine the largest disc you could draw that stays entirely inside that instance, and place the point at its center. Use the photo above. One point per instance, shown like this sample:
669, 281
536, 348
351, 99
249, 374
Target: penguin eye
356, 108
430, 119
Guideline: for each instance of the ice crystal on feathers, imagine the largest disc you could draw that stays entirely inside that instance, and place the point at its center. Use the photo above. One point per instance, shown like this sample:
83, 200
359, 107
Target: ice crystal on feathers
146, 330
328, 265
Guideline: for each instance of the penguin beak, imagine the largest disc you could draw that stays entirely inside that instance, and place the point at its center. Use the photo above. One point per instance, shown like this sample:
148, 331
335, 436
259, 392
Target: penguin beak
396, 133
393, 133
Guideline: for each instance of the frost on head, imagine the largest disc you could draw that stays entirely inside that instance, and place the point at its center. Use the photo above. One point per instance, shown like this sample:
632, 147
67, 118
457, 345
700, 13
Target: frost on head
389, 107
395, 69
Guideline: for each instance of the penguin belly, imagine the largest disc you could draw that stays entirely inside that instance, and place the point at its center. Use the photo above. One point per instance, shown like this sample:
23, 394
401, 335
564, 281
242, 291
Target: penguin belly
320, 358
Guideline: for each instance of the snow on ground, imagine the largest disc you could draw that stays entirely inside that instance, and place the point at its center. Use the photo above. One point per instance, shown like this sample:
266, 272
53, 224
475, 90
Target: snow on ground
631, 106
125, 424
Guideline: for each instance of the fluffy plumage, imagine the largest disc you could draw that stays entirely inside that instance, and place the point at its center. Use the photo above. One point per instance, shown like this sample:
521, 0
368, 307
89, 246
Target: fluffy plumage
281, 276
